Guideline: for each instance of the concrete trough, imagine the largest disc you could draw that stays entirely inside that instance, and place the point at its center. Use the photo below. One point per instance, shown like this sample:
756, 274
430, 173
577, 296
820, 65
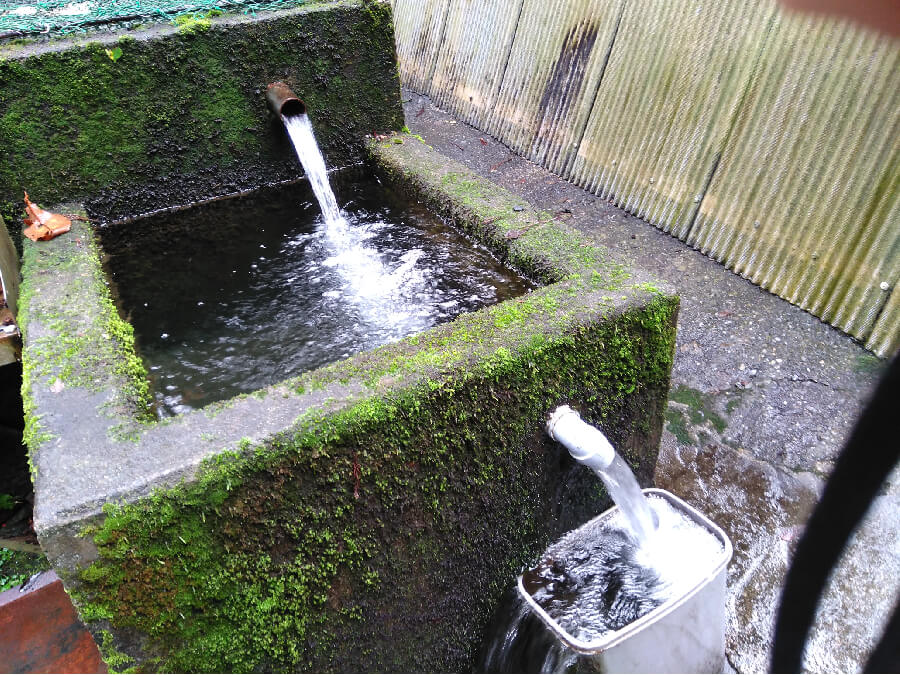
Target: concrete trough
389, 497
365, 516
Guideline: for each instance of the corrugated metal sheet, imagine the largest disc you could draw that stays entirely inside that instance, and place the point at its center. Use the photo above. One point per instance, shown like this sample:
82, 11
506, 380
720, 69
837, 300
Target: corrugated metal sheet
770, 142
418, 26
471, 60
551, 78
805, 200
675, 79
885, 337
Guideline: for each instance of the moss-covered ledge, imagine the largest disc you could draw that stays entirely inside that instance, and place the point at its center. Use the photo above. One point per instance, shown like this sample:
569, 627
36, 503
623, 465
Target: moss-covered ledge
364, 516
529, 239
180, 115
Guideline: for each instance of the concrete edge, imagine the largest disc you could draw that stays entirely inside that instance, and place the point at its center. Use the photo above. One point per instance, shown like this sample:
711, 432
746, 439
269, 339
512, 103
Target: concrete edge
92, 449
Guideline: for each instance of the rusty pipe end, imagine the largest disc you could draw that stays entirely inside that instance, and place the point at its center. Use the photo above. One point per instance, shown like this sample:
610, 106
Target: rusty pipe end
282, 101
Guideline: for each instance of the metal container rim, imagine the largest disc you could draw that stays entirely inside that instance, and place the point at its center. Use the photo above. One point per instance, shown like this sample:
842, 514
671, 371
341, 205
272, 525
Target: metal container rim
616, 637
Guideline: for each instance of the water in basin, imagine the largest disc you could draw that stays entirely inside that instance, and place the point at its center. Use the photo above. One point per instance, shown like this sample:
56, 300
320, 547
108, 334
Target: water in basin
234, 295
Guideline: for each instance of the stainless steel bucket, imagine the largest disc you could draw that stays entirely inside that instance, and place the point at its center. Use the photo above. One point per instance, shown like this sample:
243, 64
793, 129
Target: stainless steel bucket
683, 635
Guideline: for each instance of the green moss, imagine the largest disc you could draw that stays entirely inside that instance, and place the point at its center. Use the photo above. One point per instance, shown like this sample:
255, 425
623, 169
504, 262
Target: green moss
700, 407
75, 124
83, 342
280, 544
16, 567
734, 400
73, 354
677, 424
195, 22
116, 661
530, 240
647, 287
868, 364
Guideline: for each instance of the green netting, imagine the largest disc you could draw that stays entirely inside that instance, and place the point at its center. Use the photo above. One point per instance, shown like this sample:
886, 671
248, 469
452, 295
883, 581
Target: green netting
58, 17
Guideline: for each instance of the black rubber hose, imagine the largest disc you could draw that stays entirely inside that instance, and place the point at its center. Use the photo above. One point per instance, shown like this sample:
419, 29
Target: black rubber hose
866, 460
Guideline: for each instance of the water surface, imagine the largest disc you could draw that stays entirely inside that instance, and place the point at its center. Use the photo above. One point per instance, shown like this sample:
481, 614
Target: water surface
235, 295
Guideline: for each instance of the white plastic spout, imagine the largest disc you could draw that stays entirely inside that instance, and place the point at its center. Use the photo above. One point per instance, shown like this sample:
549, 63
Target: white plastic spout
585, 443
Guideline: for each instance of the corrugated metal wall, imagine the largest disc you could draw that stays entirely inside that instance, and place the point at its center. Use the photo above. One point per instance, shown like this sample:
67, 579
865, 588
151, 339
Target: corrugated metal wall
769, 141
805, 201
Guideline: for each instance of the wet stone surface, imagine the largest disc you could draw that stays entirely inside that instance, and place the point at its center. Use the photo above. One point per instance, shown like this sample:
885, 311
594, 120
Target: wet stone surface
762, 397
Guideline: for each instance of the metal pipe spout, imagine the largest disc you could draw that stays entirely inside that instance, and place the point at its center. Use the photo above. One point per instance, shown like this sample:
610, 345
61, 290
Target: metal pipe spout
282, 101
585, 443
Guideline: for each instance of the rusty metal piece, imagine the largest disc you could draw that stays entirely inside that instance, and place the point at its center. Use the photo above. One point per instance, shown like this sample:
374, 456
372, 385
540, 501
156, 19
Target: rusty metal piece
40, 632
43, 225
282, 101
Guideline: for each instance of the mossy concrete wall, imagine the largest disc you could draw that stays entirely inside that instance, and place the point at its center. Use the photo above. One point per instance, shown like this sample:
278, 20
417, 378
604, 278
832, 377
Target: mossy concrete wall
365, 516
181, 114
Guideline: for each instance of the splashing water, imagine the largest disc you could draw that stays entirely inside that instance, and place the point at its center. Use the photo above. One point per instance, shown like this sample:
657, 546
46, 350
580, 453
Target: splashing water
518, 642
594, 581
258, 304
369, 281
608, 573
598, 581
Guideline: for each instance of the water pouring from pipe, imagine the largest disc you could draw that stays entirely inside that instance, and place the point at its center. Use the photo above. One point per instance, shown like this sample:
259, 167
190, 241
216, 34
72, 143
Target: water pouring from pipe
590, 447
292, 111
376, 287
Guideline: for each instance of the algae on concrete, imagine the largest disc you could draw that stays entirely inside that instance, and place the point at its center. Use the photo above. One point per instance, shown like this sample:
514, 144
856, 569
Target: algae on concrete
181, 116
389, 493
16, 567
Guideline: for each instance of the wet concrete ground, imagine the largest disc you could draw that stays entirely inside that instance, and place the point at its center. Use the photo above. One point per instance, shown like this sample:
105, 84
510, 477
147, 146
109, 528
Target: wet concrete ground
762, 397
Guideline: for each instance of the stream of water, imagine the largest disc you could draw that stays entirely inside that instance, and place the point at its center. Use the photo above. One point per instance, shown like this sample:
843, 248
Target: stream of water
299, 128
641, 521
373, 285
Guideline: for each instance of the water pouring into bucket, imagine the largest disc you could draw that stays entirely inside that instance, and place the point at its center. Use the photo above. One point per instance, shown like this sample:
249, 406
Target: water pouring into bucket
640, 588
